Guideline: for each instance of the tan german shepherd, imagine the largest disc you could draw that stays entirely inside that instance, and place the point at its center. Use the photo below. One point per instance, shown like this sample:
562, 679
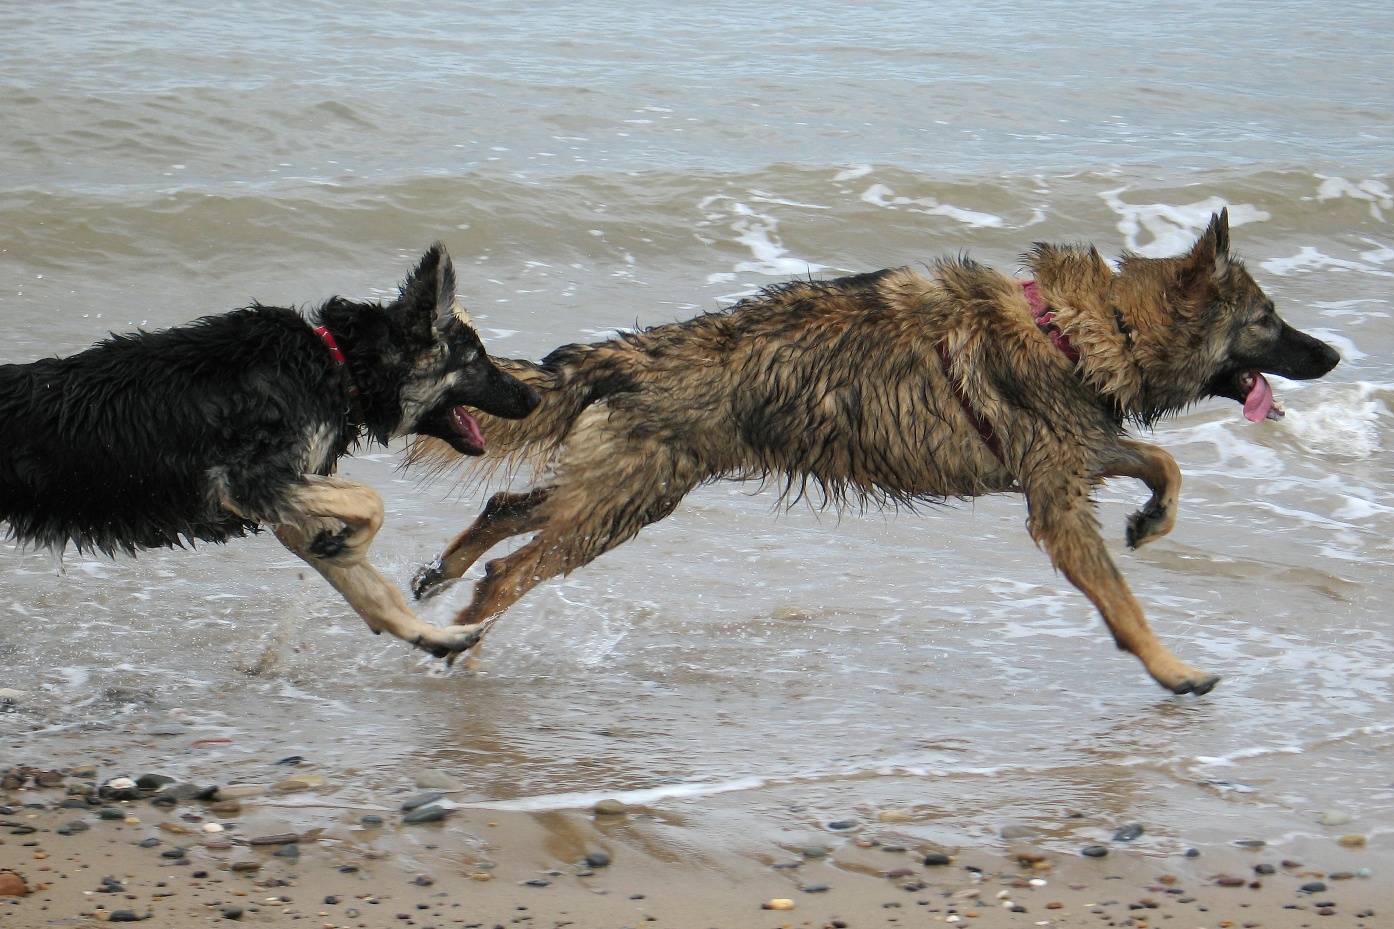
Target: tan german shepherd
894, 387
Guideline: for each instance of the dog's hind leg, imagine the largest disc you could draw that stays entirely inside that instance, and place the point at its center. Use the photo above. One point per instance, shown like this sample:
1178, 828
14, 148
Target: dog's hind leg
504, 516
1159, 471
340, 555
1062, 522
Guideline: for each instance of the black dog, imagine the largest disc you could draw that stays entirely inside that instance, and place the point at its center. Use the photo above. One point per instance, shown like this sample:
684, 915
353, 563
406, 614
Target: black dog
206, 431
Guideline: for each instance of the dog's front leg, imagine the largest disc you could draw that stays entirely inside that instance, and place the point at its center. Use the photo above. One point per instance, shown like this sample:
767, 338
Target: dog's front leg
1159, 471
1062, 521
340, 556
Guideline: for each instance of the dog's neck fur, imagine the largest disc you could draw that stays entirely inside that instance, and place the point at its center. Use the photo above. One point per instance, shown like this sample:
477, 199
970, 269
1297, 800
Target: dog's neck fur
363, 334
1125, 326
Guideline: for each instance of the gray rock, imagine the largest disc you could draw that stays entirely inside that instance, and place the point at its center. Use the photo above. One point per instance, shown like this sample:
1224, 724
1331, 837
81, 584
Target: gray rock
371, 820
813, 851
1017, 831
1313, 887
597, 859
1094, 851
232, 912
936, 859
430, 813
1127, 833
287, 851
420, 800
842, 825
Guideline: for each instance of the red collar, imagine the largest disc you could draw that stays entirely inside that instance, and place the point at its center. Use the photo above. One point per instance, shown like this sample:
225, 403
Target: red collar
337, 354
1045, 319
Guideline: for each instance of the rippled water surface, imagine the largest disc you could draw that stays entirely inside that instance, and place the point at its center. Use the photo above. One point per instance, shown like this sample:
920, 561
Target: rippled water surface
591, 168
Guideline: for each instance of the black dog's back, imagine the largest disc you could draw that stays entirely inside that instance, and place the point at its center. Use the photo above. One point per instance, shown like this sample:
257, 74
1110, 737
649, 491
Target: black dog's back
120, 446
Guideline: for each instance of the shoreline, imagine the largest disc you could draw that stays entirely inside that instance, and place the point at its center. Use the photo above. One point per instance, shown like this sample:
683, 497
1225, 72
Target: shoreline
91, 847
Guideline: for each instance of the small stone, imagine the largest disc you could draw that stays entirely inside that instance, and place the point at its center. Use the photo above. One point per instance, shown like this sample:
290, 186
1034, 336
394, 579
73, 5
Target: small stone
778, 903
437, 780
173, 853
842, 825
111, 813
291, 760
423, 880
246, 867
331, 900
153, 781
72, 828
287, 851
1351, 840
936, 859
1264, 869
298, 783
430, 813
597, 859
1027, 856
1017, 831
1094, 851
610, 808
1334, 818
1229, 880
48, 779
280, 838
813, 851
371, 820
420, 800
12, 885
1340, 875
149, 843
1127, 833
240, 791
1250, 843
896, 816
11, 696
896, 874
226, 807
537, 882
1192, 853
124, 916
232, 912
1312, 887
815, 888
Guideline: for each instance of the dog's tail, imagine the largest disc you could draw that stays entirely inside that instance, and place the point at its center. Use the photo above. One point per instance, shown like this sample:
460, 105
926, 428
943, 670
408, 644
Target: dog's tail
567, 381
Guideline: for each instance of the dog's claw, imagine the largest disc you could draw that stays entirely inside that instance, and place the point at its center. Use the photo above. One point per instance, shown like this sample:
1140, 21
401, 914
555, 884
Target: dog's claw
1196, 685
1146, 525
427, 577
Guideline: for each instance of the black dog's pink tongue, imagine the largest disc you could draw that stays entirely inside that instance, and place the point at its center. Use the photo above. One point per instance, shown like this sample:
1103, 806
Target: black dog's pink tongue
466, 425
1259, 403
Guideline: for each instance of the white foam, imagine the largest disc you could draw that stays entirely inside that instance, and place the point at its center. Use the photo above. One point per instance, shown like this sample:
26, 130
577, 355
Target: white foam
1375, 193
852, 172
1347, 423
1309, 259
1172, 229
758, 232
883, 196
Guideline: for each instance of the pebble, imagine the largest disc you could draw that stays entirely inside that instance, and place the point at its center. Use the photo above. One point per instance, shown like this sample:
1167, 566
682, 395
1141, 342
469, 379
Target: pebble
149, 843
371, 820
12, 885
287, 851
936, 859
1264, 869
895, 816
1250, 843
430, 813
240, 791
437, 780
124, 916
609, 808
1312, 887
1026, 856
597, 859
246, 867
841, 825
1229, 880
232, 912
153, 781
110, 812
537, 882
1093, 851
10, 695
1127, 833
297, 783
280, 838
72, 828
1351, 840
291, 760
814, 888
226, 807
1334, 818
1017, 831
778, 903
813, 851
418, 800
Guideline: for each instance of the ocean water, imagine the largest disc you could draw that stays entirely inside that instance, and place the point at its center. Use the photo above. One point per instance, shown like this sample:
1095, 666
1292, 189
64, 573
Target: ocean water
762, 669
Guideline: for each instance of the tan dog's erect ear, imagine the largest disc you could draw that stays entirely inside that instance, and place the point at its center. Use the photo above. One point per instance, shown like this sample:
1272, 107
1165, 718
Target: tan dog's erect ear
1210, 254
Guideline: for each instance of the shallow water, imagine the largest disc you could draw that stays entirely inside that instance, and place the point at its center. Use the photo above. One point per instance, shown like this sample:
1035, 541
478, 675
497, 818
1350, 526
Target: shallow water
592, 169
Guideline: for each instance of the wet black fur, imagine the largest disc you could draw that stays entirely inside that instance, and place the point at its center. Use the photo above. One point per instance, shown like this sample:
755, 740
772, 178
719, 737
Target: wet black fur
129, 444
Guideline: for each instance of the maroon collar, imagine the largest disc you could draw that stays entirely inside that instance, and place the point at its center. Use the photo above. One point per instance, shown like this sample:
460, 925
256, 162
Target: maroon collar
338, 355
1045, 319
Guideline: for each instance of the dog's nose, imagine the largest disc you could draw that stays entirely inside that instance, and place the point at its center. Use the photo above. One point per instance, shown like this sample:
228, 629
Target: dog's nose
529, 397
1330, 358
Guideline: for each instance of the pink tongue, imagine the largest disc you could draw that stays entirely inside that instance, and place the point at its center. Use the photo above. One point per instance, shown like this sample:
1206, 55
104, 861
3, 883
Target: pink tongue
1260, 400
465, 424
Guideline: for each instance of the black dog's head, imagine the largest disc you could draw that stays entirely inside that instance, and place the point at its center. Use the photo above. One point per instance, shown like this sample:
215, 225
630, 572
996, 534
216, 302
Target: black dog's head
418, 363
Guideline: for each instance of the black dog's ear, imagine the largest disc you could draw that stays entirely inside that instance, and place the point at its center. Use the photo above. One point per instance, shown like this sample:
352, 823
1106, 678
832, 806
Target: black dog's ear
1210, 254
429, 291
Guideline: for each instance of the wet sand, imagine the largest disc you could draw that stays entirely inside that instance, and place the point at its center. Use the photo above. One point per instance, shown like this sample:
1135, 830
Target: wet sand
289, 854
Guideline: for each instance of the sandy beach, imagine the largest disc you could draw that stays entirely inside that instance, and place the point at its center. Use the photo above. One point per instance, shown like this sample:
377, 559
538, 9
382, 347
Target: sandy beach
283, 852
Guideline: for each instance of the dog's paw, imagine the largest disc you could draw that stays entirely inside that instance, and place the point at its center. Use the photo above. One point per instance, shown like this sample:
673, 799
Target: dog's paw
1149, 524
330, 543
1197, 683
449, 642
426, 578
